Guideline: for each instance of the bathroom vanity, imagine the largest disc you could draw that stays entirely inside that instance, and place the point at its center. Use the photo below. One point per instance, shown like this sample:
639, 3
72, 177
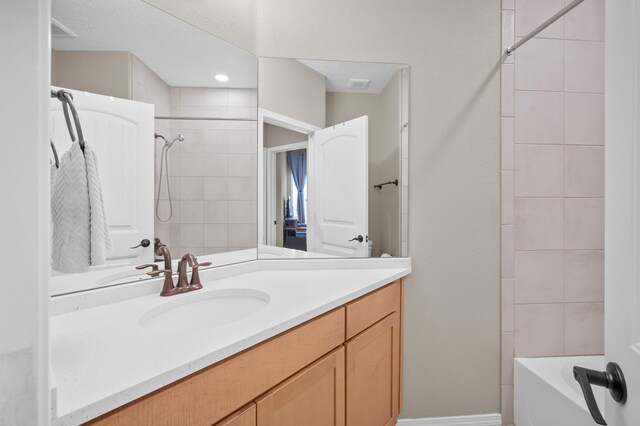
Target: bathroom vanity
290, 346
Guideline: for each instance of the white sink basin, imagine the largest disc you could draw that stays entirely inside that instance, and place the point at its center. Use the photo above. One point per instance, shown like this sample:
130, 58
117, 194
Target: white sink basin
202, 310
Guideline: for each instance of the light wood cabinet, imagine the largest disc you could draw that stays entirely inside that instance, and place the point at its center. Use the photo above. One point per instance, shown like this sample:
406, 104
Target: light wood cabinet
313, 397
373, 374
341, 368
244, 417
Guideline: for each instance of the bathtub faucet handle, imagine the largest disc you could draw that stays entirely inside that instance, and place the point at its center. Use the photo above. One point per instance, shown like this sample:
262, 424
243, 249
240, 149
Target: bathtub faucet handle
612, 379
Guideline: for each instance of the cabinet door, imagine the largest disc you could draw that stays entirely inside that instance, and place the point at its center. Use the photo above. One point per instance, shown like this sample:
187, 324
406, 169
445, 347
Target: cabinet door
243, 417
313, 397
373, 374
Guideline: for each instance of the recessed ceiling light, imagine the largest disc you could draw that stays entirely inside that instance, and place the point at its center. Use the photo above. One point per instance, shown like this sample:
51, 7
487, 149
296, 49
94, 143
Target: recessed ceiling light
222, 78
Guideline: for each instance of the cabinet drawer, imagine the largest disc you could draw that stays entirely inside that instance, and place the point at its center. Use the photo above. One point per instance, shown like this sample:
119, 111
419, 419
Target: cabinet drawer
215, 392
369, 309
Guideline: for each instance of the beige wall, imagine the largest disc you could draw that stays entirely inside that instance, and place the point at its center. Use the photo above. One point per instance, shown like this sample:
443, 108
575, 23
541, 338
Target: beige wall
278, 136
452, 335
105, 73
290, 88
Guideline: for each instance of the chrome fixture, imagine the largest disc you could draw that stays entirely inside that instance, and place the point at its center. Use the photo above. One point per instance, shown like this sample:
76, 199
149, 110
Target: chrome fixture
542, 26
164, 165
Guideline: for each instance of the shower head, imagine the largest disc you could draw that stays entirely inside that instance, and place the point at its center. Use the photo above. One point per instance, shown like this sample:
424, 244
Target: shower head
168, 144
178, 138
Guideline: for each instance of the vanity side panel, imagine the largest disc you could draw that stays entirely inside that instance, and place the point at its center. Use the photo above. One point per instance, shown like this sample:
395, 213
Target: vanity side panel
369, 309
213, 393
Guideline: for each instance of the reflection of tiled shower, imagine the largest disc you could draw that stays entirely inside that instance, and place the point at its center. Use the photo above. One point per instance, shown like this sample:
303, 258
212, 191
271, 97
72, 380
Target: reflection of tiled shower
212, 173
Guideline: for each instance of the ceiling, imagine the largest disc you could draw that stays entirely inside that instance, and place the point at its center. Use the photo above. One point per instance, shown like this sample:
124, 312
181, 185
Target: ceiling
181, 54
338, 74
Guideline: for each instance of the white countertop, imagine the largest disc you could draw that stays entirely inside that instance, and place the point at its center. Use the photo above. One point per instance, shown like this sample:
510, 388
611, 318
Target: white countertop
102, 358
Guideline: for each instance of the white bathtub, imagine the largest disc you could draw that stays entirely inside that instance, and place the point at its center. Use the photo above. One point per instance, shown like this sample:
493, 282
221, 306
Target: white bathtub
546, 394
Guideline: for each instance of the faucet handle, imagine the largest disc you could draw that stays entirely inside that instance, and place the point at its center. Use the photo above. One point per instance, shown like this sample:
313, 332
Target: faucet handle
195, 276
153, 267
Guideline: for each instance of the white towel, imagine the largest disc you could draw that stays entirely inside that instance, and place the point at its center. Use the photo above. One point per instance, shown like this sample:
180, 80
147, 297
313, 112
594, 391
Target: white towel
80, 236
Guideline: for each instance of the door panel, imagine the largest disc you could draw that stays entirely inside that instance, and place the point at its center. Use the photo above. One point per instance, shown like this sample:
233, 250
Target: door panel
338, 189
121, 133
373, 374
313, 397
244, 417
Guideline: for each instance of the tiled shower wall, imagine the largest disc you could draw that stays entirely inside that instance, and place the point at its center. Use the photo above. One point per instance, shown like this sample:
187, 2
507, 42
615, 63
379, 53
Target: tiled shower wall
552, 185
212, 172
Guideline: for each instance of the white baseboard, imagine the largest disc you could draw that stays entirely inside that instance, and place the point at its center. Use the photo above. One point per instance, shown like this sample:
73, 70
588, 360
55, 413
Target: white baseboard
478, 420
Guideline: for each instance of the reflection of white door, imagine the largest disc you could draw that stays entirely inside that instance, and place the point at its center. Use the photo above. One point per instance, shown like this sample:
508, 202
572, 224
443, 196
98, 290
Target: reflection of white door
121, 133
338, 189
622, 205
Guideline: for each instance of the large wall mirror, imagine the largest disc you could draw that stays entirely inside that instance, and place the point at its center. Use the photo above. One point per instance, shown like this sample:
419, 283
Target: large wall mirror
170, 114
332, 169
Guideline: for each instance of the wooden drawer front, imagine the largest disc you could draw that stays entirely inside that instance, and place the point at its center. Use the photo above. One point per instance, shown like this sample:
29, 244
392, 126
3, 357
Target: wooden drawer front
313, 397
373, 379
243, 417
215, 392
370, 309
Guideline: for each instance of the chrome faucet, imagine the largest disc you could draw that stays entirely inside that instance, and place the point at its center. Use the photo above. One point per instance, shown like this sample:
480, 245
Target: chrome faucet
183, 286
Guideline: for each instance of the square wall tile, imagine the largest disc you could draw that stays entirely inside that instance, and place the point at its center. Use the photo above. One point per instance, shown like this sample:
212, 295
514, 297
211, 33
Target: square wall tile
586, 21
191, 235
539, 330
215, 164
191, 211
584, 328
243, 165
216, 211
242, 212
191, 164
215, 235
507, 359
531, 13
508, 39
191, 188
507, 198
584, 171
584, 66
508, 143
240, 236
216, 141
215, 188
507, 405
242, 188
540, 65
539, 117
584, 276
584, 223
539, 224
584, 118
539, 170
539, 277
507, 304
507, 251
507, 87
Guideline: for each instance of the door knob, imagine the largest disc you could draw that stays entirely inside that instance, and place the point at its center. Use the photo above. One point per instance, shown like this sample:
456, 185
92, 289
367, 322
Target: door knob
143, 243
612, 379
359, 238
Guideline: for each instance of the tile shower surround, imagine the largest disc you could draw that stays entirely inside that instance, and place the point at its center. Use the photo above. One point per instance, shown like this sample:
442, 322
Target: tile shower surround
552, 167
212, 172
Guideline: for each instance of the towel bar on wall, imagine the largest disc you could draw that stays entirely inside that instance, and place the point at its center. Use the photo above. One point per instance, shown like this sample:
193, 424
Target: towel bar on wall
391, 182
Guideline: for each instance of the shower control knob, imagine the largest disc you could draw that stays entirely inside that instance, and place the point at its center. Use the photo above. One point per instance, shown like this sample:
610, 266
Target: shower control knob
359, 238
143, 243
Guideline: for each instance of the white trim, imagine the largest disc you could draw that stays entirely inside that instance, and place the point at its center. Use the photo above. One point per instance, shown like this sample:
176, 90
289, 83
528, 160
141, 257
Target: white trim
477, 420
270, 117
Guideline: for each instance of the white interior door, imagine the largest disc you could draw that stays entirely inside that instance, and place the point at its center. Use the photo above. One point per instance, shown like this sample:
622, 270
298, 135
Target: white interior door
121, 133
622, 204
338, 189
